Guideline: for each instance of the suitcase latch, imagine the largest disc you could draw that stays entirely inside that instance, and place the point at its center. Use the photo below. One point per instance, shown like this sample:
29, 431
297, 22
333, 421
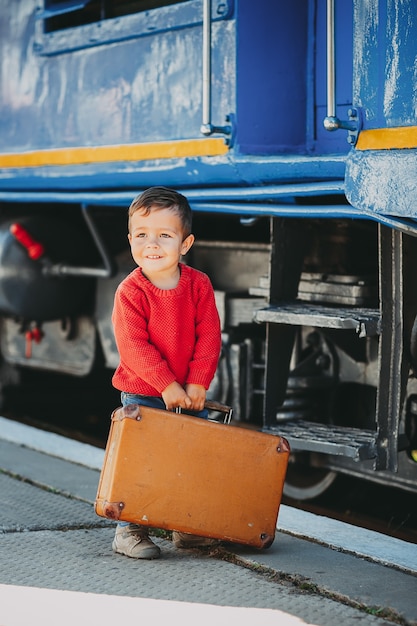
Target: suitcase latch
113, 510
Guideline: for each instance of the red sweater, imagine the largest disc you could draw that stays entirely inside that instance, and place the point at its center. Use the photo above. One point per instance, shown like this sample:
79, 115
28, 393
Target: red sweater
165, 335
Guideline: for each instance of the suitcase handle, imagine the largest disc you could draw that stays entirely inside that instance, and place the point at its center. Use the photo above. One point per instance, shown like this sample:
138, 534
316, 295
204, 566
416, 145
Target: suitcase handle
213, 405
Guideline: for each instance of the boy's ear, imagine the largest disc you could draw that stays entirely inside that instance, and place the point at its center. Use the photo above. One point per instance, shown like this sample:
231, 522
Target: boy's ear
129, 236
186, 244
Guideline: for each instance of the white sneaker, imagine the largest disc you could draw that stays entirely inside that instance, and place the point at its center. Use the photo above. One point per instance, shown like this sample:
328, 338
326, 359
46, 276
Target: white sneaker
133, 541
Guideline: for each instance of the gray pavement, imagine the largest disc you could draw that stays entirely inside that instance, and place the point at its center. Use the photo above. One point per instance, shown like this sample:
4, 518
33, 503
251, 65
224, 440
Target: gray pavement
50, 538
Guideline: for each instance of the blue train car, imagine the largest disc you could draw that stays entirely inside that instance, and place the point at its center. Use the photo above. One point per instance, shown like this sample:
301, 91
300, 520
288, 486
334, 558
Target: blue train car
290, 128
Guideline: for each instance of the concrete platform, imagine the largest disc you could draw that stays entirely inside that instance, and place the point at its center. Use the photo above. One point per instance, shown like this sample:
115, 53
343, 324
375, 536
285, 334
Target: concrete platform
57, 565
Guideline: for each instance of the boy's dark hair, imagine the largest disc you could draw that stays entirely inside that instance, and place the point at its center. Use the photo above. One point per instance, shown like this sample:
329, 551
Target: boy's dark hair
163, 198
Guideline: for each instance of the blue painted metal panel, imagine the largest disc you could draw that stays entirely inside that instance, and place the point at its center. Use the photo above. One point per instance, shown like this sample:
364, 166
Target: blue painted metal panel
146, 86
139, 90
322, 140
384, 181
281, 77
385, 62
218, 171
271, 76
109, 31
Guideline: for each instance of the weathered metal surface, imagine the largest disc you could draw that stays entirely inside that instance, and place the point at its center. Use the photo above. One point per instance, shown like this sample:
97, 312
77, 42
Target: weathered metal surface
68, 346
384, 180
136, 81
331, 289
393, 367
313, 437
364, 321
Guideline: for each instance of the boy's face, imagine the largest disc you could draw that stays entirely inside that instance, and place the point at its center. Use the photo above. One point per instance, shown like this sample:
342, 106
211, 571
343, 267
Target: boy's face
157, 243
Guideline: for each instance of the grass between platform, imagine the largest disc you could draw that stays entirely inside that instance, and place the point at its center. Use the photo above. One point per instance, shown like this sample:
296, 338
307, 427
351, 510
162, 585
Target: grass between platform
305, 585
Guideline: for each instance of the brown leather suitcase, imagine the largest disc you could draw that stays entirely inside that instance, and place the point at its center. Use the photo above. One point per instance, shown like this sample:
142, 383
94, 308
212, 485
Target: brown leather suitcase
176, 472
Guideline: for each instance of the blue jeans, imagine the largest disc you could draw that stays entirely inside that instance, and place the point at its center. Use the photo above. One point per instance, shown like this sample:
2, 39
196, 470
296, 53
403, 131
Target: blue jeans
156, 403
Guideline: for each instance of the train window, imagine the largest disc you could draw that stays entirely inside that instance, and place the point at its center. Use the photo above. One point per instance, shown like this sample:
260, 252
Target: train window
67, 25
61, 14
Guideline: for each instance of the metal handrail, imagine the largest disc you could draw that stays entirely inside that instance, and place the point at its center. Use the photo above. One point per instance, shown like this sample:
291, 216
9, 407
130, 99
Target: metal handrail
207, 127
206, 124
331, 77
331, 122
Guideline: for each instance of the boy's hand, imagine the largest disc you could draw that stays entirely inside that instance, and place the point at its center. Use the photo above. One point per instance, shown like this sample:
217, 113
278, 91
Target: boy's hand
197, 393
174, 395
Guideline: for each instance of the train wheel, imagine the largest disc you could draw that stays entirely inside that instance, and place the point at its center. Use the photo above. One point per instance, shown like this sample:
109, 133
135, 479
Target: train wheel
304, 482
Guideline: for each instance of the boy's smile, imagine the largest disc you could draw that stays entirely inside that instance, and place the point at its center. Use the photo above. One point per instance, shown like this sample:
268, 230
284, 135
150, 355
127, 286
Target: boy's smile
157, 243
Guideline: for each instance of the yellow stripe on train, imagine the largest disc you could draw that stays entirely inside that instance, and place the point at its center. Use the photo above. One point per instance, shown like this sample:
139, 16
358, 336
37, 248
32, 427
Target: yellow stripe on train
213, 146
387, 138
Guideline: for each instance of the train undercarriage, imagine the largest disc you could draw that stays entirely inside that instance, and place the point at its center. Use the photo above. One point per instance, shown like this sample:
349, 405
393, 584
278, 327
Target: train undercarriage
318, 319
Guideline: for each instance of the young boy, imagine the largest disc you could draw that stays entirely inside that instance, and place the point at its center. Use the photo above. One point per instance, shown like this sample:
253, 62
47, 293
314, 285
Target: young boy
167, 330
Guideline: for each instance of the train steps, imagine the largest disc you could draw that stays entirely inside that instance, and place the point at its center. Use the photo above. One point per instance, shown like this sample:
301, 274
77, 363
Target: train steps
306, 436
309, 436
366, 322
